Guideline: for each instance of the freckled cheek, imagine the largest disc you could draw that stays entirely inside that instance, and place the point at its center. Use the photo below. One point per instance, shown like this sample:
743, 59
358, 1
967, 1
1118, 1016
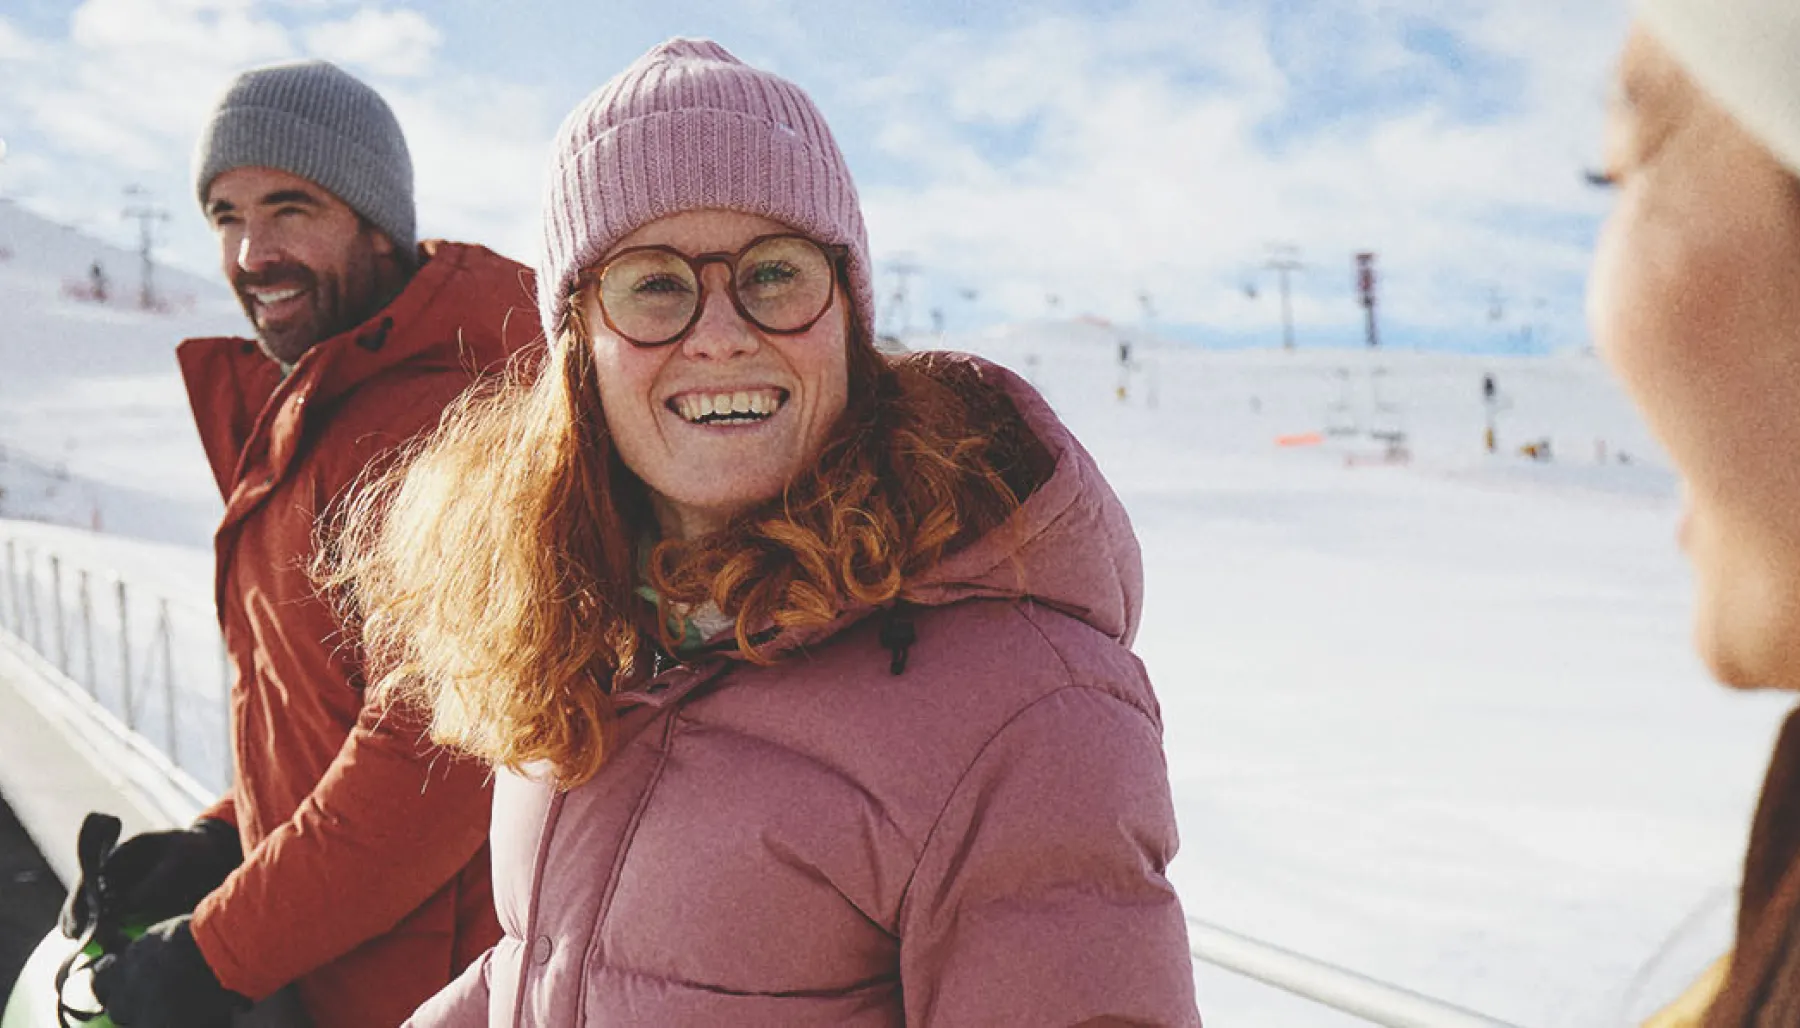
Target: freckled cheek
1706, 364
834, 395
624, 409
1648, 313
624, 371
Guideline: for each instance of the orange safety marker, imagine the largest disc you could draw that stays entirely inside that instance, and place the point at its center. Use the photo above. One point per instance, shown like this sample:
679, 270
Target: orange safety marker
1300, 439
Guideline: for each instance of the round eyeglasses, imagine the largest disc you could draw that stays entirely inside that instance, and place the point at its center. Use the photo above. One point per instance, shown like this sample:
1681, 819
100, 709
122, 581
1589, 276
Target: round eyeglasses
654, 295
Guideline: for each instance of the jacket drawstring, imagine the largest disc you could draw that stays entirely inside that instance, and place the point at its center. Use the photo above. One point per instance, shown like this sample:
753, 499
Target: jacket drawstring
897, 636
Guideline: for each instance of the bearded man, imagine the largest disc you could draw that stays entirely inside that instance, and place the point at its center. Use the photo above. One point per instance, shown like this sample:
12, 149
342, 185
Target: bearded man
347, 859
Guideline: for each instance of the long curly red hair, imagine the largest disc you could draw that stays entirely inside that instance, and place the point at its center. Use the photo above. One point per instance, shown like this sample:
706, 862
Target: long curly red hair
491, 572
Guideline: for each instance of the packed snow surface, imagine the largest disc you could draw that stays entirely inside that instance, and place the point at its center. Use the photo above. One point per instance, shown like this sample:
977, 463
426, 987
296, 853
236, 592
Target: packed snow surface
1431, 713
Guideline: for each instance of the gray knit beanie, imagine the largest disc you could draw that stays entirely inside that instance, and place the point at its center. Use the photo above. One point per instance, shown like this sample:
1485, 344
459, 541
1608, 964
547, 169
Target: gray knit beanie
317, 121
1746, 55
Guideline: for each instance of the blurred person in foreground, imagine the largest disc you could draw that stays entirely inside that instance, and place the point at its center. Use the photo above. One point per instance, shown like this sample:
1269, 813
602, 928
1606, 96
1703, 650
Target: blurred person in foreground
1695, 301
348, 856
805, 669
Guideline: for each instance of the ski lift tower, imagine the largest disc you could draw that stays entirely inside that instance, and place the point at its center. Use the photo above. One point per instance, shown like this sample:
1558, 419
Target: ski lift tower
903, 269
1365, 291
147, 215
968, 295
1284, 258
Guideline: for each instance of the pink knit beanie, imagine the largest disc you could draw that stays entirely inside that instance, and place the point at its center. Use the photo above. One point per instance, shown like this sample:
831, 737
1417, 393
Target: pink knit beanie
688, 126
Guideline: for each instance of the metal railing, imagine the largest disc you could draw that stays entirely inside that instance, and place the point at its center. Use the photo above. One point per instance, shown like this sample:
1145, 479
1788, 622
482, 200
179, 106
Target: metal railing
141, 655
1326, 984
155, 663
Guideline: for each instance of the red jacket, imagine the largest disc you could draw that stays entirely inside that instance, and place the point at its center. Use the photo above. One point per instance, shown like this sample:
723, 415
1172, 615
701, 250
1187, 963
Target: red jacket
967, 823
366, 873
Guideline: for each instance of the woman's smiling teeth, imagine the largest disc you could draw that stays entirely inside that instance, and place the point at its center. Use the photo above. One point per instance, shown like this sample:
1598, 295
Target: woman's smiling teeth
741, 407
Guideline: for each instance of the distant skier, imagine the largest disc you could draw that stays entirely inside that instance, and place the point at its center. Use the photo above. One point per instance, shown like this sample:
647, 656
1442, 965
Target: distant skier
1490, 405
348, 856
1693, 304
97, 285
1493, 404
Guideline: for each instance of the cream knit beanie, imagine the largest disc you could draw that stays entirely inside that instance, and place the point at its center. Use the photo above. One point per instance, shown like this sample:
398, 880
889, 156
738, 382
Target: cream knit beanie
1746, 55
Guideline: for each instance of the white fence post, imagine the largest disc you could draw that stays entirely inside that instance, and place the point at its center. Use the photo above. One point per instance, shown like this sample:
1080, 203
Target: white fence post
92, 679
22, 616
56, 608
125, 653
31, 599
10, 595
166, 637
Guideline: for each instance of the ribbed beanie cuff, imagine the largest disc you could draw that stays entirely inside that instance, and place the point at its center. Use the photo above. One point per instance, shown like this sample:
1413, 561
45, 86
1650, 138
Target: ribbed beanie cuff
314, 120
1746, 55
690, 127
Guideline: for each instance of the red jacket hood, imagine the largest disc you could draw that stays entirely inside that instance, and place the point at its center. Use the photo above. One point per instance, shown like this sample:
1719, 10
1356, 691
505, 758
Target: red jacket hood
429, 325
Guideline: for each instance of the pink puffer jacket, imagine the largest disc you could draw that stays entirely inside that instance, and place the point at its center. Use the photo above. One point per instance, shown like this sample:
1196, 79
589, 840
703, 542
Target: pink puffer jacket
968, 829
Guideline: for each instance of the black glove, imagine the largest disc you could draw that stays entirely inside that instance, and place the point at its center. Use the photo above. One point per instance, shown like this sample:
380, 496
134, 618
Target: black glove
162, 981
156, 875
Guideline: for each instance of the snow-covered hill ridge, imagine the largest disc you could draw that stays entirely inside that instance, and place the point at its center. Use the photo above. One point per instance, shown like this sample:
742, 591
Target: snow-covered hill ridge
1431, 404
94, 425
38, 249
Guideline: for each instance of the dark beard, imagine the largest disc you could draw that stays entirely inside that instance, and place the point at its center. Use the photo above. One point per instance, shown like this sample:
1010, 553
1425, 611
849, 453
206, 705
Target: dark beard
336, 301
287, 345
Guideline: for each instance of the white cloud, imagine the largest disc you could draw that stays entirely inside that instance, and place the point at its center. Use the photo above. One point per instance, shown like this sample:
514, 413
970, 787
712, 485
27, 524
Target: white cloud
136, 76
1145, 169
394, 43
13, 44
478, 150
1160, 148
117, 101
121, 98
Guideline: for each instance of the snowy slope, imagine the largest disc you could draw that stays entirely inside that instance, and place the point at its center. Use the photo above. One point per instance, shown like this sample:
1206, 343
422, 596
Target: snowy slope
1439, 722
94, 427
1436, 721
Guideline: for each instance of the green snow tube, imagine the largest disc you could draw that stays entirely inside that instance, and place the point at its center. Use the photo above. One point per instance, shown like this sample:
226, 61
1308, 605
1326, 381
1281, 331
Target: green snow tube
33, 1002
52, 990
36, 1001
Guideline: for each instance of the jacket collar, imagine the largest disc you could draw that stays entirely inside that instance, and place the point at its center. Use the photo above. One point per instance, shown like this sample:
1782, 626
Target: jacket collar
240, 397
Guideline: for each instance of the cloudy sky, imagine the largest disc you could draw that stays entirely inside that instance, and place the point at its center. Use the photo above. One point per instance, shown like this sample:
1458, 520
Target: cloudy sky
1128, 159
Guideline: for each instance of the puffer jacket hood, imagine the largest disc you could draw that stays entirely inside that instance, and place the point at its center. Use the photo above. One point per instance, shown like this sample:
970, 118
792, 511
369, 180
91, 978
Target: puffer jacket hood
1070, 542
1069, 546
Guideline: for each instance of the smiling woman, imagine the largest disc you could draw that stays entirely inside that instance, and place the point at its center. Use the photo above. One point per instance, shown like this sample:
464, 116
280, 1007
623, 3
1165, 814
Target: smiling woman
717, 402
806, 668
1695, 300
